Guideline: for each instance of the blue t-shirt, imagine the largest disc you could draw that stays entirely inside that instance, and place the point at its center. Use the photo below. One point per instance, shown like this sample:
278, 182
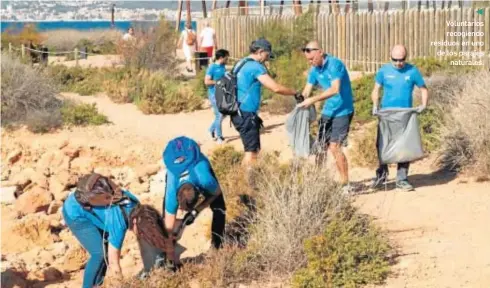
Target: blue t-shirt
333, 69
398, 85
216, 72
201, 176
110, 219
249, 87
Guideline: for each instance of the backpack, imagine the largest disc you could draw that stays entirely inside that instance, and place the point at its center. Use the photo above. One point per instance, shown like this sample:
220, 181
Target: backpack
181, 154
226, 91
191, 38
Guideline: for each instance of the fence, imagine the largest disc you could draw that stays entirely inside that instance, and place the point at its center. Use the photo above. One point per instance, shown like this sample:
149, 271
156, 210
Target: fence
42, 55
365, 38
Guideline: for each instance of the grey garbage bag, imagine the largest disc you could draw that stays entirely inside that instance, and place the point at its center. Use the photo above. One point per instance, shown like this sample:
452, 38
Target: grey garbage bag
298, 130
398, 136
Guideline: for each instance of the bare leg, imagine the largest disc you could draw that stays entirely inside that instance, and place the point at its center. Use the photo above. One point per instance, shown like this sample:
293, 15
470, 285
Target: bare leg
341, 161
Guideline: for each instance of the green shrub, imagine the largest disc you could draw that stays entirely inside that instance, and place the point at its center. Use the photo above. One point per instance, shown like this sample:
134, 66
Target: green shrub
84, 81
198, 86
431, 65
287, 37
351, 252
362, 89
159, 95
82, 114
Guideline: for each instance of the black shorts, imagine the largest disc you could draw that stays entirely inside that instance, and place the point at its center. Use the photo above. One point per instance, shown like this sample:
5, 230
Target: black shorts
334, 130
248, 126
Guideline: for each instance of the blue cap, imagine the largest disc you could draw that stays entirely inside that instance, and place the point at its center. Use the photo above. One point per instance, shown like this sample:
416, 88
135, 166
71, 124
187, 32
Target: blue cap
264, 44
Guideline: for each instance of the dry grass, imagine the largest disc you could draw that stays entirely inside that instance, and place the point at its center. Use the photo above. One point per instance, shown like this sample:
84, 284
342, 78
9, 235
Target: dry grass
466, 135
28, 97
67, 39
364, 152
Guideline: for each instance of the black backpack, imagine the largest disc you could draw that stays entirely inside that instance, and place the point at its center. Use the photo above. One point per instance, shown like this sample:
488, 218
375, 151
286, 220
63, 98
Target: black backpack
226, 92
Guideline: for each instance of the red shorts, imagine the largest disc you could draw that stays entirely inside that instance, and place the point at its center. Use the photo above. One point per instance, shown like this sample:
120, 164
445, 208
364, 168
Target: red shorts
208, 50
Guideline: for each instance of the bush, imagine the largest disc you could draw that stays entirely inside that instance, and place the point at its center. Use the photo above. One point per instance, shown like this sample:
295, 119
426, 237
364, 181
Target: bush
362, 89
82, 114
198, 86
84, 81
289, 69
350, 252
160, 95
466, 131
287, 37
25, 36
364, 152
154, 50
28, 97
432, 65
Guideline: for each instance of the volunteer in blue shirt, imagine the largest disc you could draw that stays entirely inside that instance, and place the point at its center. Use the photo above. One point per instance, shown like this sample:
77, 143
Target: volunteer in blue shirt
215, 72
398, 80
92, 228
250, 79
189, 175
330, 74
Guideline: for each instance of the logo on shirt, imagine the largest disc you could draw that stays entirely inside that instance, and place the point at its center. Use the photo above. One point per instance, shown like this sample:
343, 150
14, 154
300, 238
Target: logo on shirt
407, 78
390, 76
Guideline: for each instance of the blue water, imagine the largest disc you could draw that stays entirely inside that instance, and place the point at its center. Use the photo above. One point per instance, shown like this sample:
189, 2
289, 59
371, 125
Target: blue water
83, 25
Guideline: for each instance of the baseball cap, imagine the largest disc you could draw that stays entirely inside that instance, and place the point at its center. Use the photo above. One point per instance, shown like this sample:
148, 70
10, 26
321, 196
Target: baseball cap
263, 43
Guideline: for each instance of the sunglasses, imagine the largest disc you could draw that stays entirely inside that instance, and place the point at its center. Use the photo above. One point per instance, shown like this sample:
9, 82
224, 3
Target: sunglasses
308, 50
398, 60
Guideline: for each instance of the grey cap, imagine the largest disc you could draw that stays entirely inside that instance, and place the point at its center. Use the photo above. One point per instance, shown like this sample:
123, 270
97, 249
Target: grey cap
263, 43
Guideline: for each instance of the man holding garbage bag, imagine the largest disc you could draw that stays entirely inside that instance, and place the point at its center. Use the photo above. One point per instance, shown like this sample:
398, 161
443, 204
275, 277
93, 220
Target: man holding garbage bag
398, 139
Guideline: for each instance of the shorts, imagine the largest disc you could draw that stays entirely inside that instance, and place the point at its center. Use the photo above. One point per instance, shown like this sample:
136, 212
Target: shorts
334, 130
248, 126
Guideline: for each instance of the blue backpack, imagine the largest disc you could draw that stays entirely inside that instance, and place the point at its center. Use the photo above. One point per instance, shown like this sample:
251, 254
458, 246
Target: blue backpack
181, 154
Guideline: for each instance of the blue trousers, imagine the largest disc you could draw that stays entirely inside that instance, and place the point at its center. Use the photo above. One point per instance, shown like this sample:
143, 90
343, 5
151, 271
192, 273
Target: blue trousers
91, 239
218, 119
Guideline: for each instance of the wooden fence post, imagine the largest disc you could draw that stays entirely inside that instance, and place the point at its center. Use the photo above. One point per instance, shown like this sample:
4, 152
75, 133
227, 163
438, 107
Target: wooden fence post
23, 51
10, 47
76, 56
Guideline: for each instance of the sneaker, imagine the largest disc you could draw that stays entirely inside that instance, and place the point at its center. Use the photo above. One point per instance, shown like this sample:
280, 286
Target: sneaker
379, 181
213, 136
347, 189
142, 275
220, 140
404, 186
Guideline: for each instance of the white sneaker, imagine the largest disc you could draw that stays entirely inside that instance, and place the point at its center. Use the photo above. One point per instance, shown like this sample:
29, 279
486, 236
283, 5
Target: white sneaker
347, 189
220, 140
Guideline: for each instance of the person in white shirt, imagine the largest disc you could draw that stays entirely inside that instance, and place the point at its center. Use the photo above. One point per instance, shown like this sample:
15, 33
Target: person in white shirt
207, 40
188, 40
129, 35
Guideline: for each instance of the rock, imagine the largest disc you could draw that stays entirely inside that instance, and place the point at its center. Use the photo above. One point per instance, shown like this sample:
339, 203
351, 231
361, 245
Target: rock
82, 165
147, 170
104, 171
124, 175
51, 274
23, 178
57, 188
7, 194
14, 156
72, 152
40, 180
53, 207
139, 188
26, 234
74, 259
63, 144
58, 249
35, 200
45, 258
52, 162
14, 279
68, 238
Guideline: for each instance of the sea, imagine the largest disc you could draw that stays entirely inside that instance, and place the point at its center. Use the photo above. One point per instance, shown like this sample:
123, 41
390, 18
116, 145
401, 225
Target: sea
43, 26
